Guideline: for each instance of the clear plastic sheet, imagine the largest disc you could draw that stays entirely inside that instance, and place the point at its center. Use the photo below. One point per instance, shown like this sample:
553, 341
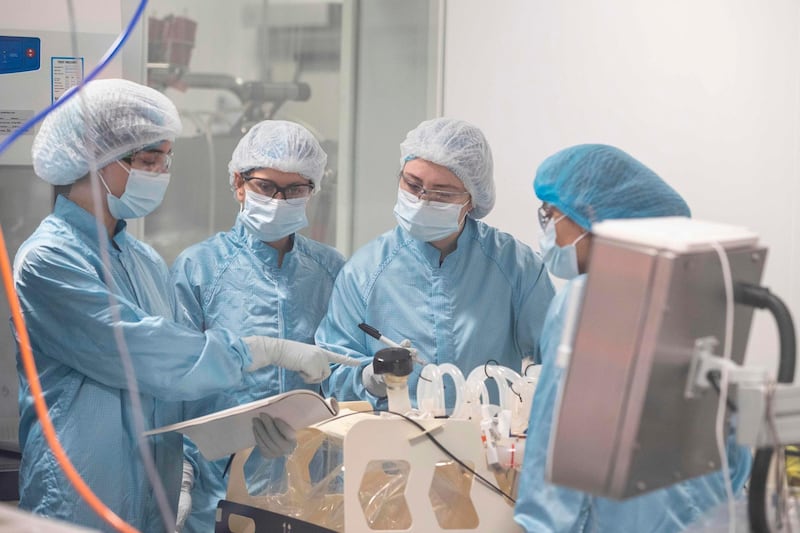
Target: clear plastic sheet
310, 487
307, 485
717, 520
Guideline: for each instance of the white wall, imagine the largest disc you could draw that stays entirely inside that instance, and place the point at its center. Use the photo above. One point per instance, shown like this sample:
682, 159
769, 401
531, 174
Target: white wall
705, 92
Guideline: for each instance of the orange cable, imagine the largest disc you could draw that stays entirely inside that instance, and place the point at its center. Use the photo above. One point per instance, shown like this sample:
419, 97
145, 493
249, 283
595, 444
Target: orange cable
41, 409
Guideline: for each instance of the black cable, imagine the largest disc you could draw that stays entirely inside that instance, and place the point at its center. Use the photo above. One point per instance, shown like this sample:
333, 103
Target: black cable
487, 363
439, 445
714, 377
228, 465
450, 454
762, 298
511, 385
423, 378
525, 372
757, 496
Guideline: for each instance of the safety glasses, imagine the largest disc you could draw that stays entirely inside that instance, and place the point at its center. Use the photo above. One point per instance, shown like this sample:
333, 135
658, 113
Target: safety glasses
545, 214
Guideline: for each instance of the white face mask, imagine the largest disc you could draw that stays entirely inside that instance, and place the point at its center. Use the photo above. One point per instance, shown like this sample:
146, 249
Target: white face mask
424, 220
143, 193
271, 219
561, 261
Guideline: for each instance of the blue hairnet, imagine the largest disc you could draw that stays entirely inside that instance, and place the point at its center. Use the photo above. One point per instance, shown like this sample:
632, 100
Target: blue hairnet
120, 117
462, 149
594, 182
280, 145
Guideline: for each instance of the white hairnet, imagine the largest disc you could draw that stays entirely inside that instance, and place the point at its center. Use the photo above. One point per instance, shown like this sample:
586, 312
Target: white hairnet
121, 116
462, 149
280, 145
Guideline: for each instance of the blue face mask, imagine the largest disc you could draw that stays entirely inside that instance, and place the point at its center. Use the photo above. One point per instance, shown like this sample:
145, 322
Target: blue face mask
561, 261
424, 220
271, 219
143, 193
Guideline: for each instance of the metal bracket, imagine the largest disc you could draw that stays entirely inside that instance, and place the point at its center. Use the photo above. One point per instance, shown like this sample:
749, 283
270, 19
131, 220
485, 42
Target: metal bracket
705, 361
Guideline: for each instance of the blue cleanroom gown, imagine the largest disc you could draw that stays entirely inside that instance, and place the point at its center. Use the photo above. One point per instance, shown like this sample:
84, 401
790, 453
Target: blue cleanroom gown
233, 281
59, 278
487, 300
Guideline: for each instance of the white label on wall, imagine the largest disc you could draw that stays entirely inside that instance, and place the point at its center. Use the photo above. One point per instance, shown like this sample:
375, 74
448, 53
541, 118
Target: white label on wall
65, 72
11, 119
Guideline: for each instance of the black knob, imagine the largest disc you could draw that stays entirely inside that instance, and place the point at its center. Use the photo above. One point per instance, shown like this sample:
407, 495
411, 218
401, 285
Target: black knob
395, 361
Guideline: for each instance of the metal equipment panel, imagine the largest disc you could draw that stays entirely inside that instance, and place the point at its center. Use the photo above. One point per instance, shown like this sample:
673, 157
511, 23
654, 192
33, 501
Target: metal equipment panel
624, 425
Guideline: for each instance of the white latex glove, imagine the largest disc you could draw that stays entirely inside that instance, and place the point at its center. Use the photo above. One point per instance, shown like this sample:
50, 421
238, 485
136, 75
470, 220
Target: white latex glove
309, 360
185, 500
274, 437
405, 343
374, 384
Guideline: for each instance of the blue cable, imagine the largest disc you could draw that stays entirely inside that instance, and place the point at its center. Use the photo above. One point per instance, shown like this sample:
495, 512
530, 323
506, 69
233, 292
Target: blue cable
109, 55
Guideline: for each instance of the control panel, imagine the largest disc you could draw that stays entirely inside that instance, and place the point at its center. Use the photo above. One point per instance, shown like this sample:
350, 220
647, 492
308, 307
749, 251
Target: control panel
19, 54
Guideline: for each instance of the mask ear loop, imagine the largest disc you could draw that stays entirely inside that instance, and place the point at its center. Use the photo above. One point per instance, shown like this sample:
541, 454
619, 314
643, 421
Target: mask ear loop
233, 188
128, 170
557, 220
103, 181
464, 218
576, 241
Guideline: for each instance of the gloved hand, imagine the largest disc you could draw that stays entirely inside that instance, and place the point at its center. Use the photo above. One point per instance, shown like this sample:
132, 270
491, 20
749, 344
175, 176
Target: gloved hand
374, 384
274, 437
185, 500
405, 343
309, 360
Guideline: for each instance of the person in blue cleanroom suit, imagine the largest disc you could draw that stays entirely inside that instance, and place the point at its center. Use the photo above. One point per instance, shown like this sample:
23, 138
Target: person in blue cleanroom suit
458, 289
580, 186
74, 306
259, 278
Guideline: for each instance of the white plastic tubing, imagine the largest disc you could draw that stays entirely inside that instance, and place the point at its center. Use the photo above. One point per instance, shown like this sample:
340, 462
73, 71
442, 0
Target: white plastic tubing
515, 392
